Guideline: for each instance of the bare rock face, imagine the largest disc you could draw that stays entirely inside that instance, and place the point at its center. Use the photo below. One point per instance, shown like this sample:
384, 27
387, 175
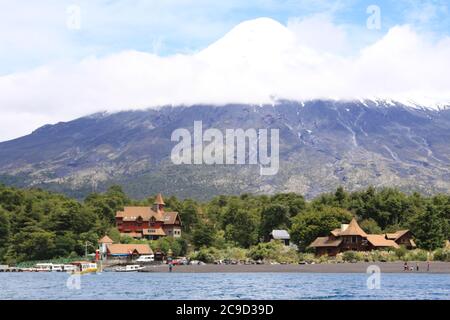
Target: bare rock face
323, 144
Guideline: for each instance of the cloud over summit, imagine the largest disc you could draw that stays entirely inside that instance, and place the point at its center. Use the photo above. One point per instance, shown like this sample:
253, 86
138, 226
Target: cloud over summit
256, 61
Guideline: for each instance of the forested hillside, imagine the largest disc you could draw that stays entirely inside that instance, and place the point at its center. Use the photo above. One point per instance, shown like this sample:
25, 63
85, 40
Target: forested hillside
37, 224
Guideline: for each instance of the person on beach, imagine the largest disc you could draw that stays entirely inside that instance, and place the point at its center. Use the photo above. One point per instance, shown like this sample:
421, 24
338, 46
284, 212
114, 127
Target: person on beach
170, 267
405, 266
428, 266
417, 267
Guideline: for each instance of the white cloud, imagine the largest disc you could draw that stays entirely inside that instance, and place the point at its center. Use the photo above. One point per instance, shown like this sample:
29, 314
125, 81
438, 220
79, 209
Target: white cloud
257, 60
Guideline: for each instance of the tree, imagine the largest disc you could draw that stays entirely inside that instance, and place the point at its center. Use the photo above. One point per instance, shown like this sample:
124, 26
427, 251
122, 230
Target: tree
203, 235
4, 227
340, 197
106, 205
241, 227
274, 216
429, 228
33, 244
370, 226
65, 244
4, 232
296, 203
316, 223
189, 215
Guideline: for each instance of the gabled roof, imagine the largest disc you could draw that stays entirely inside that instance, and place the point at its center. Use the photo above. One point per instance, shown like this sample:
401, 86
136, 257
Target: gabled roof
353, 229
133, 213
396, 235
105, 239
336, 232
325, 242
125, 249
280, 235
378, 240
171, 217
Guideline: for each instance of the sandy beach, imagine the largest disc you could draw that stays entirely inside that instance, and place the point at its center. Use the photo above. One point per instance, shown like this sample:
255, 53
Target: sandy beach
361, 267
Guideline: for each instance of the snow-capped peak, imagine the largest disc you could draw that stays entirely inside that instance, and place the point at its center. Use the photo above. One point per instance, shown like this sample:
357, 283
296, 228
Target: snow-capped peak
249, 39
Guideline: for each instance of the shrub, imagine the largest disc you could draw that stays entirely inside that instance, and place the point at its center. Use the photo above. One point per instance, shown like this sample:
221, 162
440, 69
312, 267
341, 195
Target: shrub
441, 255
234, 253
383, 256
287, 255
417, 255
263, 251
273, 251
401, 253
306, 257
207, 255
349, 256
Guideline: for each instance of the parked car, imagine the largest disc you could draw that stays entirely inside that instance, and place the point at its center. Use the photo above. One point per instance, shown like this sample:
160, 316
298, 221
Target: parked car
179, 262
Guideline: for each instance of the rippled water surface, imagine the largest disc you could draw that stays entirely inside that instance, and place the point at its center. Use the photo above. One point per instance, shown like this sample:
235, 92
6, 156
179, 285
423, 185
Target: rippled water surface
221, 286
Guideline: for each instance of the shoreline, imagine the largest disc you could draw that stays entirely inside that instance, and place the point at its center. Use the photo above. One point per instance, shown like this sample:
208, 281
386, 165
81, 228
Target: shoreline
359, 267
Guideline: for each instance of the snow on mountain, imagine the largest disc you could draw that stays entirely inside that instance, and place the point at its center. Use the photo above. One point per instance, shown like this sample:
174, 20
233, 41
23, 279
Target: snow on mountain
257, 62
263, 37
323, 144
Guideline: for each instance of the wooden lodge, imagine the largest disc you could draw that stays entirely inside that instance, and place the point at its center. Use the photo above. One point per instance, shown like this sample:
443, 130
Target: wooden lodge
352, 237
111, 250
149, 223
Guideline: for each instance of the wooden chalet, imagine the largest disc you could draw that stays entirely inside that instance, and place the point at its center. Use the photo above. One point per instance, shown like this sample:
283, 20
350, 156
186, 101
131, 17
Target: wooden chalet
352, 237
150, 223
110, 250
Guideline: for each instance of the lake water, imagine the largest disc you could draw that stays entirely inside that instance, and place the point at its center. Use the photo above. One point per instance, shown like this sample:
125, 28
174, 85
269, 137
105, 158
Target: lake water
180, 286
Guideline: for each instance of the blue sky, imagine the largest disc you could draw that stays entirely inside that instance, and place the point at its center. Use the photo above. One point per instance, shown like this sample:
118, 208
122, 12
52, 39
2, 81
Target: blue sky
34, 33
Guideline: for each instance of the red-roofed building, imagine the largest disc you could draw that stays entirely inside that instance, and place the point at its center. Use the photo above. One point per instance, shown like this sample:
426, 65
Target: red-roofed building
149, 223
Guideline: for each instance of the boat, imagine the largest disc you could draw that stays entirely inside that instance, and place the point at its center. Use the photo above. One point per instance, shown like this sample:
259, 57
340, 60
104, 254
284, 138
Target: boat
57, 268
129, 268
43, 267
69, 268
84, 267
80, 267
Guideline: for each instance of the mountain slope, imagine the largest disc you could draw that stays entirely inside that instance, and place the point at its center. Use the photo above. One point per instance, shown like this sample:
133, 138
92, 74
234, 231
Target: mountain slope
323, 144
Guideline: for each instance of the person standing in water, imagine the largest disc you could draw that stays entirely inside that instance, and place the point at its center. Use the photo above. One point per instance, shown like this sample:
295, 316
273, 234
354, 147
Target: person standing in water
170, 267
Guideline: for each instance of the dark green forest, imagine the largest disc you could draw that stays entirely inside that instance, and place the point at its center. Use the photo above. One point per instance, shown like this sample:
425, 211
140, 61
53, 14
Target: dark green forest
38, 225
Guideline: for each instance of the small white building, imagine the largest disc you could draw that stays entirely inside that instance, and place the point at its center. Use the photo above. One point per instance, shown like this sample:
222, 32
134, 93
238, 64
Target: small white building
282, 235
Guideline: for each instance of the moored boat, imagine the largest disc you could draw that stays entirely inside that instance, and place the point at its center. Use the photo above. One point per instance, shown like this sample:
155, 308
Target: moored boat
84, 267
129, 268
